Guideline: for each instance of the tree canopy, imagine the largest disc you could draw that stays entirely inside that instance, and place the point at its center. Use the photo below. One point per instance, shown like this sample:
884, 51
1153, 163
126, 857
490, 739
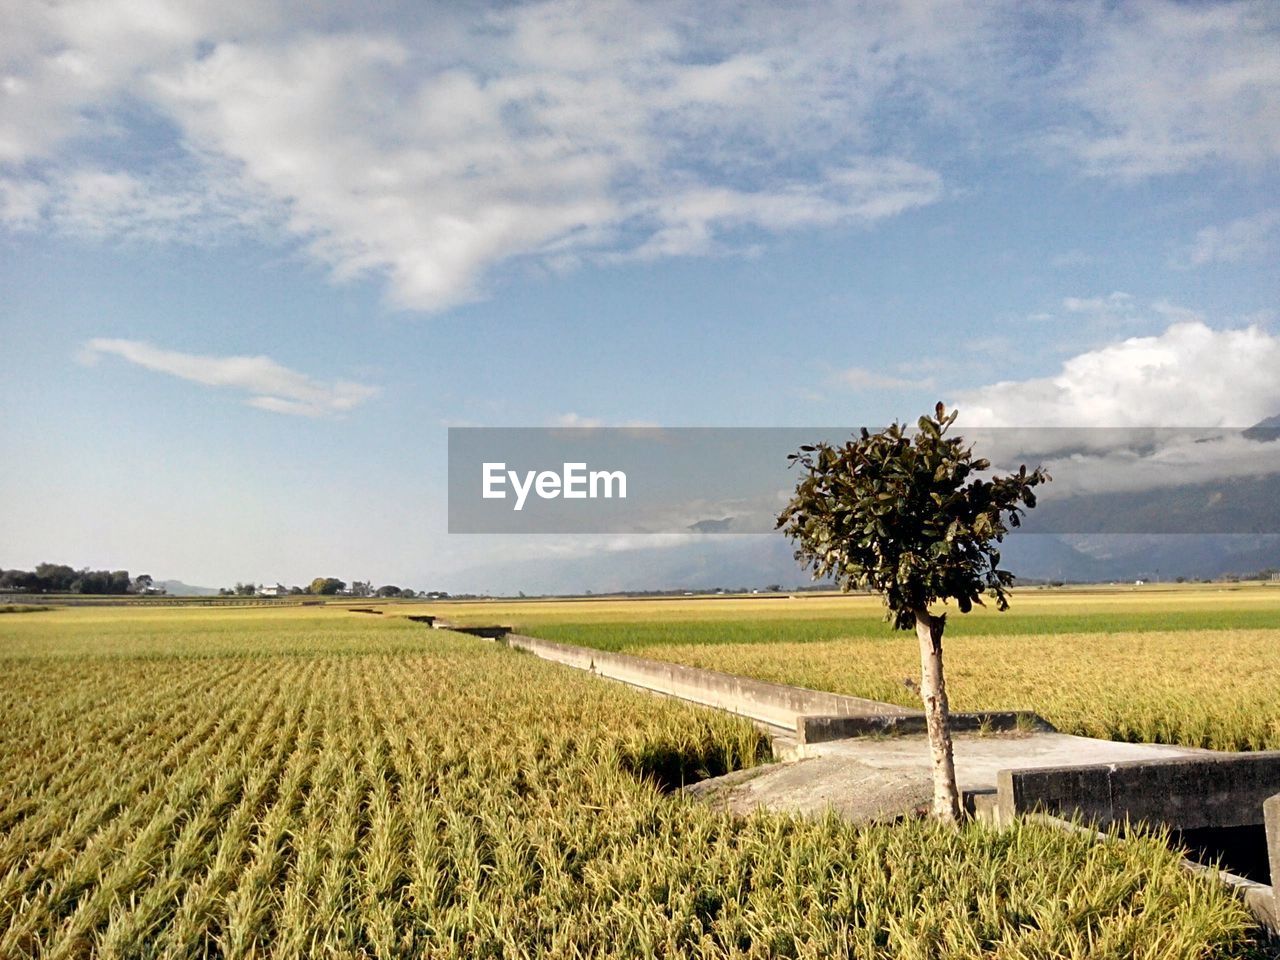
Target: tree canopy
908, 516
60, 578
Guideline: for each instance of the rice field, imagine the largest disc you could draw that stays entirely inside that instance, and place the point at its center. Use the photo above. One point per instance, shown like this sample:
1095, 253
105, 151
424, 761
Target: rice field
1198, 666
314, 783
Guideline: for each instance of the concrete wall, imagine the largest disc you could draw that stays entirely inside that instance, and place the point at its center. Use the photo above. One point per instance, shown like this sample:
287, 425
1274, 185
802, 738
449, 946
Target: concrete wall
1226, 790
772, 703
820, 729
1271, 810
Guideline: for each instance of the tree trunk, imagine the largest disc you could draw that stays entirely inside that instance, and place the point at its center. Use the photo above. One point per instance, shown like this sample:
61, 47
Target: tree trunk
933, 691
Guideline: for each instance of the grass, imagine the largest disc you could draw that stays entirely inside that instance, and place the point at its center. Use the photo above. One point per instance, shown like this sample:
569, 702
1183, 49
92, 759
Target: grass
285, 783
22, 608
633, 637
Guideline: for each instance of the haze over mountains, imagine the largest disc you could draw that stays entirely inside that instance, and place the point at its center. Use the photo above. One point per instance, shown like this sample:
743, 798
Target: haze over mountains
1121, 514
1226, 525
708, 563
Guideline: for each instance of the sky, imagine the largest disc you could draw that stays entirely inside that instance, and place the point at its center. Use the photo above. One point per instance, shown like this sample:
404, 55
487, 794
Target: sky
257, 257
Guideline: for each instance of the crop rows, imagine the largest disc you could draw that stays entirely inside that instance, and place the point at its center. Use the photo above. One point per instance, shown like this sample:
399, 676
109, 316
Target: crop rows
461, 800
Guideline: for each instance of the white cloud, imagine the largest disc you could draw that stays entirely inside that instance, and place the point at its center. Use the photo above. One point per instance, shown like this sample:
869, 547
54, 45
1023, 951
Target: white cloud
1105, 315
1244, 239
860, 378
643, 428
270, 385
174, 205
574, 420
558, 131
1169, 87
22, 202
1112, 304
1189, 375
65, 66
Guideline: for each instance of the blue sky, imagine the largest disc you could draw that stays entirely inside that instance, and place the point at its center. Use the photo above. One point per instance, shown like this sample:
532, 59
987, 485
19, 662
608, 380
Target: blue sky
255, 260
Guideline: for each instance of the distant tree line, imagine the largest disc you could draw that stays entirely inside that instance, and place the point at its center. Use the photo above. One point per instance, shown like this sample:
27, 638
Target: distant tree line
60, 578
327, 587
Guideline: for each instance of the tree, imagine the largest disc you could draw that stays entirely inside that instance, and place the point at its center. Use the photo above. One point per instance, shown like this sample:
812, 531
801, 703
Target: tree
245, 589
908, 517
390, 590
326, 586
55, 577
143, 582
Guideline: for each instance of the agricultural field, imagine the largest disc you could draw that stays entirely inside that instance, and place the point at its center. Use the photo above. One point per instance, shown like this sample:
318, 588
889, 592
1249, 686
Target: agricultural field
318, 783
1192, 665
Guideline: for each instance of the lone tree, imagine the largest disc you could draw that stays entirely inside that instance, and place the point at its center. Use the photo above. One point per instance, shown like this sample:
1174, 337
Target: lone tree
906, 516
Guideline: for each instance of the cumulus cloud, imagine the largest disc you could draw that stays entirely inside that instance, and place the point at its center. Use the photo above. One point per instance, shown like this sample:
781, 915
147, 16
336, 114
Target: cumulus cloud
270, 385
1143, 413
1190, 375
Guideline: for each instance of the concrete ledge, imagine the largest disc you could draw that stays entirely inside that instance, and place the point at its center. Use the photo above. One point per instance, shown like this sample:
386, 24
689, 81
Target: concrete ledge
820, 729
1271, 815
1226, 790
773, 703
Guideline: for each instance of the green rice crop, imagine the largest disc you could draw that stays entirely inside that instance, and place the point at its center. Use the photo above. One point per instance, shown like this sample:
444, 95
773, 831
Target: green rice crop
290, 784
631, 637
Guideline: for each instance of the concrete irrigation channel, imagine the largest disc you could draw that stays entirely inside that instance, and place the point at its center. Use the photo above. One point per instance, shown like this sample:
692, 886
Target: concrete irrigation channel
867, 760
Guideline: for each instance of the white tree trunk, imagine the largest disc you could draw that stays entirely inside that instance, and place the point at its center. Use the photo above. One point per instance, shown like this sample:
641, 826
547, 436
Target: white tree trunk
933, 691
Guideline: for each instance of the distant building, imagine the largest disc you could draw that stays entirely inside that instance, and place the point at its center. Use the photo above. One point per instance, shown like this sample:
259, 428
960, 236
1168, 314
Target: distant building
279, 590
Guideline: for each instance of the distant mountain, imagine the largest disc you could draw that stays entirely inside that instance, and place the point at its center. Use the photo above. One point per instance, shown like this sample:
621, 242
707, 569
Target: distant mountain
700, 563
1264, 431
1233, 505
1159, 533
176, 588
730, 562
1102, 557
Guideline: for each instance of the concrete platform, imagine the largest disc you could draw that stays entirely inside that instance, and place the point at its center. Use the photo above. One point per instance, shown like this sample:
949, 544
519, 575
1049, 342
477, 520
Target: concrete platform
875, 779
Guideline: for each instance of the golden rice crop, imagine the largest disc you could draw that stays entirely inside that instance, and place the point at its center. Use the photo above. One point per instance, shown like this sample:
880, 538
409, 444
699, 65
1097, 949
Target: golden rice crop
376, 789
1199, 688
